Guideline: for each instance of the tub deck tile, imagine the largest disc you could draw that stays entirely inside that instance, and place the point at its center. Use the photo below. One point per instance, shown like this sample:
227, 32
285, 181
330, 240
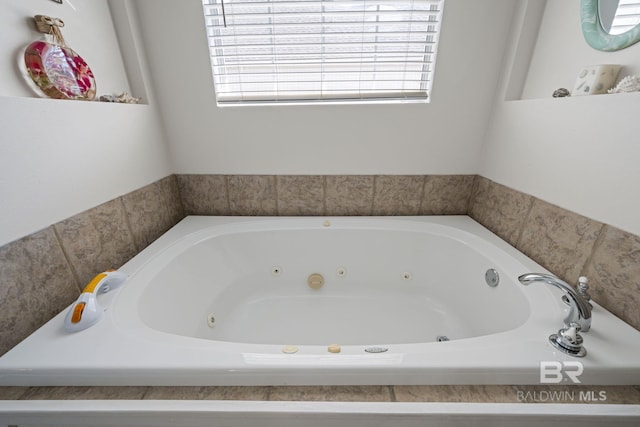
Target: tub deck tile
456, 393
570, 394
84, 393
595, 394
12, 393
331, 393
207, 393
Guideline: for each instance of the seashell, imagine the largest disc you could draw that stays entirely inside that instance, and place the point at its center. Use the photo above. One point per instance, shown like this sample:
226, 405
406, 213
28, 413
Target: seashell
125, 98
627, 84
561, 93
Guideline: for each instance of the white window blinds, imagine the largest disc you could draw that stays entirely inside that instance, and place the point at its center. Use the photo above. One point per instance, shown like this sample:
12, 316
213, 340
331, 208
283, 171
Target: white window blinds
319, 50
627, 16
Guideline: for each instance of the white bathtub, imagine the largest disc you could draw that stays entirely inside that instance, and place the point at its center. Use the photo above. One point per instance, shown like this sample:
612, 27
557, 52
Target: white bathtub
226, 301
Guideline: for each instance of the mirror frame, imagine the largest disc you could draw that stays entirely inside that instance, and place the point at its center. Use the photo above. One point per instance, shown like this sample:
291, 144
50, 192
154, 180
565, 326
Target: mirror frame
595, 35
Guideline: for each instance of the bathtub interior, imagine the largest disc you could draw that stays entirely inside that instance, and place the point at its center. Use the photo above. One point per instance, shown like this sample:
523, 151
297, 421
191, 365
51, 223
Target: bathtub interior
381, 286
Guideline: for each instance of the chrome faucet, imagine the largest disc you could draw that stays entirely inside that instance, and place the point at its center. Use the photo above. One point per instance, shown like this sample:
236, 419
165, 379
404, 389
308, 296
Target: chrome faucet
568, 338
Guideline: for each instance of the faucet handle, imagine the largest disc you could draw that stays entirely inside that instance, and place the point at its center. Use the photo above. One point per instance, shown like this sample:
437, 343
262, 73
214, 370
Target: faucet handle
582, 289
569, 340
571, 334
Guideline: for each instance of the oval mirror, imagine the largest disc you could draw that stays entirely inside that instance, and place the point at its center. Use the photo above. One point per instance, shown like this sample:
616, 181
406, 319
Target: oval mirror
610, 25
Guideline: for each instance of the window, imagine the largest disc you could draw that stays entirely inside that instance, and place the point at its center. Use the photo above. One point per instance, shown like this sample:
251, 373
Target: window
322, 50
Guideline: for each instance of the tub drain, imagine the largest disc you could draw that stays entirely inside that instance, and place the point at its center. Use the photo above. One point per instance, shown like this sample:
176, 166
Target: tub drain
376, 349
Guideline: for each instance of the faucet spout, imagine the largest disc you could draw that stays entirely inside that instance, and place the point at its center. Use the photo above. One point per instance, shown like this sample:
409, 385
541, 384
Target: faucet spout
579, 309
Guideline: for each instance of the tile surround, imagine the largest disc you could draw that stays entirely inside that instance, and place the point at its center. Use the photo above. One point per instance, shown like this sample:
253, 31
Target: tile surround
331, 393
499, 208
300, 195
50, 267
397, 195
207, 393
152, 210
36, 284
446, 194
559, 240
614, 273
253, 195
335, 195
204, 194
567, 244
349, 195
43, 273
96, 240
504, 394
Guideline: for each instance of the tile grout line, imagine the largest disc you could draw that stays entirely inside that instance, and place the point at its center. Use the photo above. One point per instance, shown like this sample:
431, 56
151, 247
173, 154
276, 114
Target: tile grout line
594, 248
392, 393
474, 186
226, 194
524, 222
373, 195
74, 273
127, 222
176, 183
324, 195
423, 187
275, 194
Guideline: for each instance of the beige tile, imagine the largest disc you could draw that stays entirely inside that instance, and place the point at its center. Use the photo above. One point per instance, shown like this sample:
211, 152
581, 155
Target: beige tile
84, 393
349, 194
331, 393
455, 393
499, 208
446, 194
300, 195
579, 394
152, 210
97, 240
204, 194
36, 283
207, 393
559, 240
614, 274
252, 195
397, 194
12, 393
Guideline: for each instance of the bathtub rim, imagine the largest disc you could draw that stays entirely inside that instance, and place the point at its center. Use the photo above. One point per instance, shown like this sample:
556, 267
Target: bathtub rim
124, 370
325, 414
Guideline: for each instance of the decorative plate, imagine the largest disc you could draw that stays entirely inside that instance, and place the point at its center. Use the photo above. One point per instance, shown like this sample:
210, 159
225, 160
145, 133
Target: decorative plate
59, 71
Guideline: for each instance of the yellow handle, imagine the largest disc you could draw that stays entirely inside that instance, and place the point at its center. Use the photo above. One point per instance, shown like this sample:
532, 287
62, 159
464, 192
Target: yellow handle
91, 287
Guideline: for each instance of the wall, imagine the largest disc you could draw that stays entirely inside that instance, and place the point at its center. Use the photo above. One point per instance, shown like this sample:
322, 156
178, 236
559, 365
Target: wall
442, 137
579, 153
59, 158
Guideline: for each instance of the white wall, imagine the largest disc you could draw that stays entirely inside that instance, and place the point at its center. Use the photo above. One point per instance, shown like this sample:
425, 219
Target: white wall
442, 137
580, 153
58, 158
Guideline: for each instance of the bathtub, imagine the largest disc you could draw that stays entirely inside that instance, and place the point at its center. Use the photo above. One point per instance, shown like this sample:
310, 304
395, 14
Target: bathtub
326, 301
